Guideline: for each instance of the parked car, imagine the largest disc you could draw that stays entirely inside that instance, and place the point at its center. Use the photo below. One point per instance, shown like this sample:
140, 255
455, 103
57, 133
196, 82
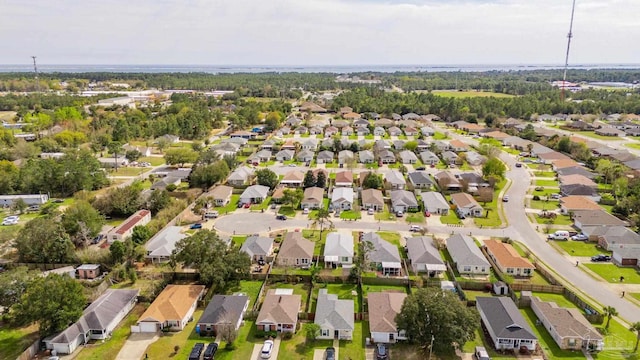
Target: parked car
601, 258
518, 164
559, 235
481, 353
196, 351
399, 213
580, 237
415, 228
330, 353
247, 205
281, 217
420, 168
505, 198
266, 350
292, 165
211, 214
381, 352
33, 208
58, 201
210, 351
427, 214
539, 188
9, 222
370, 211
195, 226
555, 196
305, 210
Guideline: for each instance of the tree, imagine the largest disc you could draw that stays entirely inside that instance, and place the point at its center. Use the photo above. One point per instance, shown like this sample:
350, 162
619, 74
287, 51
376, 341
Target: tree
121, 202
13, 283
43, 240
267, 177
157, 200
140, 234
494, 167
204, 176
197, 146
292, 197
62, 305
82, 222
321, 180
133, 155
372, 181
231, 160
311, 331
609, 312
115, 148
635, 327
322, 216
411, 145
117, 250
180, 156
162, 143
361, 259
217, 262
433, 313
19, 205
309, 180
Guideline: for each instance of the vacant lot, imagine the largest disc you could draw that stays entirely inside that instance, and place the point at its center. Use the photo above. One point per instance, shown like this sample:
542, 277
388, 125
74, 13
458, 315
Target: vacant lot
612, 273
578, 248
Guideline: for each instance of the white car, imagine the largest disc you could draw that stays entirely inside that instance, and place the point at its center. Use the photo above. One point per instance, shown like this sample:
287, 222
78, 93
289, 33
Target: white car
305, 210
8, 222
267, 348
415, 228
12, 217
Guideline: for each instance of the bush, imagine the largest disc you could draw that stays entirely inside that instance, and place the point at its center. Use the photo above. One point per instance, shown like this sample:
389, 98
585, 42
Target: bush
171, 187
287, 335
230, 346
536, 197
266, 334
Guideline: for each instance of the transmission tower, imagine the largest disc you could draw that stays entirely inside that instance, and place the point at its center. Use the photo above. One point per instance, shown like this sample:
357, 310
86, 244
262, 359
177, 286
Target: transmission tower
35, 69
566, 59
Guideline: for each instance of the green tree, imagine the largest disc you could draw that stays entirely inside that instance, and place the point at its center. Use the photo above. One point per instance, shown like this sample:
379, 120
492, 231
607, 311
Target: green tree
311, 331
180, 156
13, 283
321, 180
117, 251
82, 222
197, 146
635, 327
267, 177
162, 144
361, 260
411, 145
43, 240
62, 305
121, 202
432, 313
273, 120
133, 155
372, 181
19, 205
9, 175
217, 263
231, 160
322, 217
157, 200
205, 176
115, 148
609, 312
292, 197
494, 168
309, 180
140, 234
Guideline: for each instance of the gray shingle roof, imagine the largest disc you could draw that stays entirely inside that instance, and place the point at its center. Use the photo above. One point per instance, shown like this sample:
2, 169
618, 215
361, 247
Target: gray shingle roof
422, 251
383, 251
333, 313
224, 309
504, 318
257, 245
464, 251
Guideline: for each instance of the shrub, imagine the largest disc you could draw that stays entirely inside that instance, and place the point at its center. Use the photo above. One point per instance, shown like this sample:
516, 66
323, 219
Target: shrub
287, 336
536, 197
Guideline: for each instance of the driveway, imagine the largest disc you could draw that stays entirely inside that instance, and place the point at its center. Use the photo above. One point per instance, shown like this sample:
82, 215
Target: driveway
136, 345
255, 355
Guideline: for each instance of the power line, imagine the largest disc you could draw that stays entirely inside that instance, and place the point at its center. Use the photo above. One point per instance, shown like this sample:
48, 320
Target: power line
566, 59
35, 69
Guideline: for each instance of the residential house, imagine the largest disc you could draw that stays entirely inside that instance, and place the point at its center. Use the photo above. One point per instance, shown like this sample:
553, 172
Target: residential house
609, 131
361, 123
110, 163
309, 144
475, 159
507, 259
258, 247
396, 117
172, 309
329, 131
346, 157
160, 246
342, 198
278, 194
408, 157
240, 176
334, 317
451, 158
97, 322
88, 271
429, 158
305, 156
166, 181
226, 148
411, 116
380, 145
125, 229
613, 237
472, 128
497, 135
345, 110
263, 155
424, 256
441, 145
325, 157
344, 178
395, 179
221, 195
568, 327
467, 256
293, 121
372, 199
223, 310
458, 146
254, 194
577, 179
293, 178
569, 204
316, 130
423, 145
395, 131
435, 203
383, 308
410, 131
313, 197
403, 200
420, 180
379, 131
505, 324
626, 256
580, 190
427, 131
269, 144
366, 157
338, 250
347, 131
285, 155
576, 170
362, 131
295, 251
466, 205
588, 218
447, 182
340, 123
473, 181
301, 130
279, 311
312, 107
384, 257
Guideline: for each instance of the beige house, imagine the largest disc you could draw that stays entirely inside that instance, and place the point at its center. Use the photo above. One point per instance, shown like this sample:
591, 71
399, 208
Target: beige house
279, 311
507, 259
172, 309
466, 204
312, 198
383, 308
221, 195
372, 199
295, 251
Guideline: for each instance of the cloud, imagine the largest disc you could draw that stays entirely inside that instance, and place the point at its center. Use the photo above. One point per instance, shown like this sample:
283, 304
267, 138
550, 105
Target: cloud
317, 32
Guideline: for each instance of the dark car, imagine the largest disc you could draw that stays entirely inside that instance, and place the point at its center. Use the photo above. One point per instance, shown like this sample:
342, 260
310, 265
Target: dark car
210, 351
281, 217
196, 351
330, 353
518, 165
600, 257
420, 168
381, 352
195, 226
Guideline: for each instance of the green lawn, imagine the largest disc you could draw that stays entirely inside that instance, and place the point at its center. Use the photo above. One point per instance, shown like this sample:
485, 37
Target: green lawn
392, 237
559, 299
244, 344
450, 218
548, 174
618, 343
593, 135
633, 145
230, 207
545, 340
185, 339
381, 288
440, 136
110, 348
13, 341
251, 288
298, 289
417, 217
612, 273
635, 296
548, 183
354, 349
544, 205
314, 235
238, 240
384, 215
344, 291
127, 171
297, 347
559, 220
350, 215
262, 206
545, 191
153, 160
469, 94
578, 248
287, 210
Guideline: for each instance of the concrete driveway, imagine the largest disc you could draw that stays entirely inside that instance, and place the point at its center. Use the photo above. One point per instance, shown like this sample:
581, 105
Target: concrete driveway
255, 355
136, 345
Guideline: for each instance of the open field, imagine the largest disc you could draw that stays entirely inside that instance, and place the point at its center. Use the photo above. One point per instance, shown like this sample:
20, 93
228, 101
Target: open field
469, 94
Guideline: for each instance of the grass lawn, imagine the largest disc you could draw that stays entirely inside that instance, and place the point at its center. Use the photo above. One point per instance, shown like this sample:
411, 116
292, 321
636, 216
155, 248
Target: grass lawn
231, 206
612, 273
344, 291
559, 299
417, 217
110, 348
635, 296
13, 341
298, 348
185, 339
238, 240
331, 165
544, 205
390, 236
469, 94
450, 218
618, 343
593, 135
153, 160
549, 183
549, 174
298, 289
559, 220
251, 288
314, 235
440, 136
545, 191
350, 215
384, 215
244, 344
127, 171
578, 248
381, 288
480, 340
287, 210
633, 145
262, 206
354, 349
545, 340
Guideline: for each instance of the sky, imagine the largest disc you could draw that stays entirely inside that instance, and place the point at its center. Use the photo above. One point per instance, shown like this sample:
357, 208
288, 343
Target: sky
318, 32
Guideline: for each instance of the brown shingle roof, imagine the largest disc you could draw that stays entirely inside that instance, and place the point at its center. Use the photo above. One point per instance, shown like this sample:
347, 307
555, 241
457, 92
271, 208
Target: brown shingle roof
313, 194
279, 309
576, 202
506, 255
296, 247
221, 192
564, 163
173, 303
383, 308
372, 196
577, 179
344, 177
463, 200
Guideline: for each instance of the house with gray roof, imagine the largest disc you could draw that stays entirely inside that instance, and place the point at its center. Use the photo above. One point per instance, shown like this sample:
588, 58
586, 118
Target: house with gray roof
293, 121
408, 157
387, 157
342, 198
427, 131
595, 218
384, 257
475, 159
398, 145
97, 322
285, 155
379, 131
366, 157
449, 157
240, 176
403, 200
223, 310
305, 156
258, 247
325, 157
362, 123
362, 131
429, 158
380, 145
395, 179
467, 256
612, 237
435, 203
395, 131
345, 157
160, 246
576, 170
420, 180
338, 250
262, 155
335, 317
424, 256
505, 324
309, 144
254, 194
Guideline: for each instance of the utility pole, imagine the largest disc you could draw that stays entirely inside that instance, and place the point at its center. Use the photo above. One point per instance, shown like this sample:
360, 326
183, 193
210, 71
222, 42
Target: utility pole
35, 69
566, 59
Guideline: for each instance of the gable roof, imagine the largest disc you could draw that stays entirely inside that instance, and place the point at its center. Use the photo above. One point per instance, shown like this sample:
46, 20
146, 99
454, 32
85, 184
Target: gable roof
433, 201
576, 179
342, 194
576, 202
419, 178
383, 309
407, 155
173, 303
279, 308
576, 170
421, 250
132, 221
296, 247
504, 318
567, 322
403, 197
224, 309
333, 313
596, 217
615, 236
313, 194
163, 243
344, 177
255, 191
506, 255
383, 251
257, 245
338, 244
293, 176
372, 196
464, 200
220, 192
395, 177
464, 251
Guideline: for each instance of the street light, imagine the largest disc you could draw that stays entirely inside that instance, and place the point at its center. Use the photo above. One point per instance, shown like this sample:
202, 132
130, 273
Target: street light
431, 346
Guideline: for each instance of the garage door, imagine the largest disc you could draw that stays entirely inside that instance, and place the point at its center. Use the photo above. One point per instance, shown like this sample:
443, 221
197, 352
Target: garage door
148, 326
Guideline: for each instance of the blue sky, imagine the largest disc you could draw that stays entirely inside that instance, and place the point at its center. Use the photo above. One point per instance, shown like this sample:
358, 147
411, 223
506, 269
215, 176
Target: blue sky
317, 32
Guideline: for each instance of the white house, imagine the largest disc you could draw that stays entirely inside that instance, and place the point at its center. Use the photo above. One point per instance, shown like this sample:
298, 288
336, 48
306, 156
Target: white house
338, 250
467, 256
125, 229
505, 324
342, 198
383, 308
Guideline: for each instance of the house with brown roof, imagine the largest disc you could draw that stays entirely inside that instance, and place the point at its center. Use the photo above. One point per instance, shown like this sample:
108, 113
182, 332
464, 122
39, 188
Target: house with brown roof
312, 198
383, 308
345, 110
351, 116
279, 311
124, 230
458, 146
471, 128
563, 163
497, 135
576, 179
172, 309
293, 178
372, 199
507, 259
447, 182
552, 155
609, 131
466, 205
572, 203
221, 195
312, 107
584, 218
344, 178
295, 251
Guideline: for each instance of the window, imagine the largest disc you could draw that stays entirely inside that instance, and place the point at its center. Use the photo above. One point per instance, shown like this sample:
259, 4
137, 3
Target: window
344, 259
304, 261
324, 332
509, 270
467, 269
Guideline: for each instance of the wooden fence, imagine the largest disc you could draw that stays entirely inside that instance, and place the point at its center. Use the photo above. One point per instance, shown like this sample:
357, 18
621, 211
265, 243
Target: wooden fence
30, 352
